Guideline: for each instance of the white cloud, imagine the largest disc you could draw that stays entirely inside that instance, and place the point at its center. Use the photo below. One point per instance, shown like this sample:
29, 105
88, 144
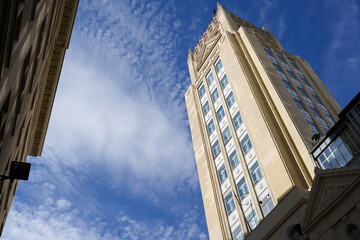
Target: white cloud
119, 119
51, 222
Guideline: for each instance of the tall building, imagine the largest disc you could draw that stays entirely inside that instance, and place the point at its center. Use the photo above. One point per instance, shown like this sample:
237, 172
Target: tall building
255, 113
34, 36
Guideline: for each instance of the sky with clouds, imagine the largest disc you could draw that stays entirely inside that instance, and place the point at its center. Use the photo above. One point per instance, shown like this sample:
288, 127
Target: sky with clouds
118, 161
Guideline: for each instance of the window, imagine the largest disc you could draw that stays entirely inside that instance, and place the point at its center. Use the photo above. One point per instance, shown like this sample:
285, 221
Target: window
3, 119
237, 120
252, 219
201, 91
238, 234
218, 66
301, 90
206, 108
352, 232
293, 64
216, 148
220, 113
222, 173
287, 84
336, 155
314, 111
291, 74
266, 205
246, 144
234, 159
211, 127
230, 99
299, 104
243, 189
328, 117
268, 52
304, 81
280, 58
210, 78
229, 202
226, 135
224, 81
277, 67
315, 98
256, 173
295, 233
312, 126
325, 127
215, 95
18, 21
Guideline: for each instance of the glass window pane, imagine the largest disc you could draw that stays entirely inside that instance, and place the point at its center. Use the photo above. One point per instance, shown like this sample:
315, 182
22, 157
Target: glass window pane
220, 113
315, 98
287, 84
280, 58
224, 81
230, 99
277, 67
216, 149
299, 104
256, 173
301, 90
340, 158
293, 64
218, 66
315, 112
290, 74
206, 108
305, 81
226, 135
210, 78
238, 234
346, 152
234, 159
333, 162
201, 91
211, 127
243, 189
268, 52
246, 144
237, 120
215, 95
230, 204
222, 173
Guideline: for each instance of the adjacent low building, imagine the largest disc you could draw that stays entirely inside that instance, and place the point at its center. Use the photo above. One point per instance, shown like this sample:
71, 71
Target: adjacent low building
34, 36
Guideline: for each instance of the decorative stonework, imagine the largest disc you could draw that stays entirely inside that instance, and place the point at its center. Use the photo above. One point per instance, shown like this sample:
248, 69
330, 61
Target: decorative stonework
329, 195
203, 46
205, 49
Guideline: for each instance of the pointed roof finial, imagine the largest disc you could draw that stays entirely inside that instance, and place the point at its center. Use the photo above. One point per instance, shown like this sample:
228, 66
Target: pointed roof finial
214, 12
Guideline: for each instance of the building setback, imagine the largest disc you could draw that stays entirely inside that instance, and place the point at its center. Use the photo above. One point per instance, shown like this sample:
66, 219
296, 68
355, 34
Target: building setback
255, 113
34, 36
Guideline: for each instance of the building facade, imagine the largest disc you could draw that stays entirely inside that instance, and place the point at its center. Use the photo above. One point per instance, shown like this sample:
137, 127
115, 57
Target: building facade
34, 35
255, 113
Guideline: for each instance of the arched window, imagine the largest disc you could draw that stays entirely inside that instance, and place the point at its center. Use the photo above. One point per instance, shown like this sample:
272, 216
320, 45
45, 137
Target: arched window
353, 232
295, 233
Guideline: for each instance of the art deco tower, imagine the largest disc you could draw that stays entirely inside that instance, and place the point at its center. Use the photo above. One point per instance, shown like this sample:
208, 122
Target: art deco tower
253, 109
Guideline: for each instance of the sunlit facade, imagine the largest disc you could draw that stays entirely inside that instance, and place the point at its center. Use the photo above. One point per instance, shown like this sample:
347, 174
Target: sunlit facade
255, 113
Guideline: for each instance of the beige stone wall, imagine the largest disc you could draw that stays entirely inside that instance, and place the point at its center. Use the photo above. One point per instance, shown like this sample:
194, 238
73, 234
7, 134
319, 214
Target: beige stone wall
279, 133
213, 204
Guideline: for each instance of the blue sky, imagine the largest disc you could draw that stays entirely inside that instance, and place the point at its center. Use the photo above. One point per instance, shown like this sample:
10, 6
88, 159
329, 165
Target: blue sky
118, 160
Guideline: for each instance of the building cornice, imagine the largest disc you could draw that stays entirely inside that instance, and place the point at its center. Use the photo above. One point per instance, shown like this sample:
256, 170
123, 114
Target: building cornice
52, 74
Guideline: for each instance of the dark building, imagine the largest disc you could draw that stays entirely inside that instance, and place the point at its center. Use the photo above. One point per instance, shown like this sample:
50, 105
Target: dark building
34, 35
